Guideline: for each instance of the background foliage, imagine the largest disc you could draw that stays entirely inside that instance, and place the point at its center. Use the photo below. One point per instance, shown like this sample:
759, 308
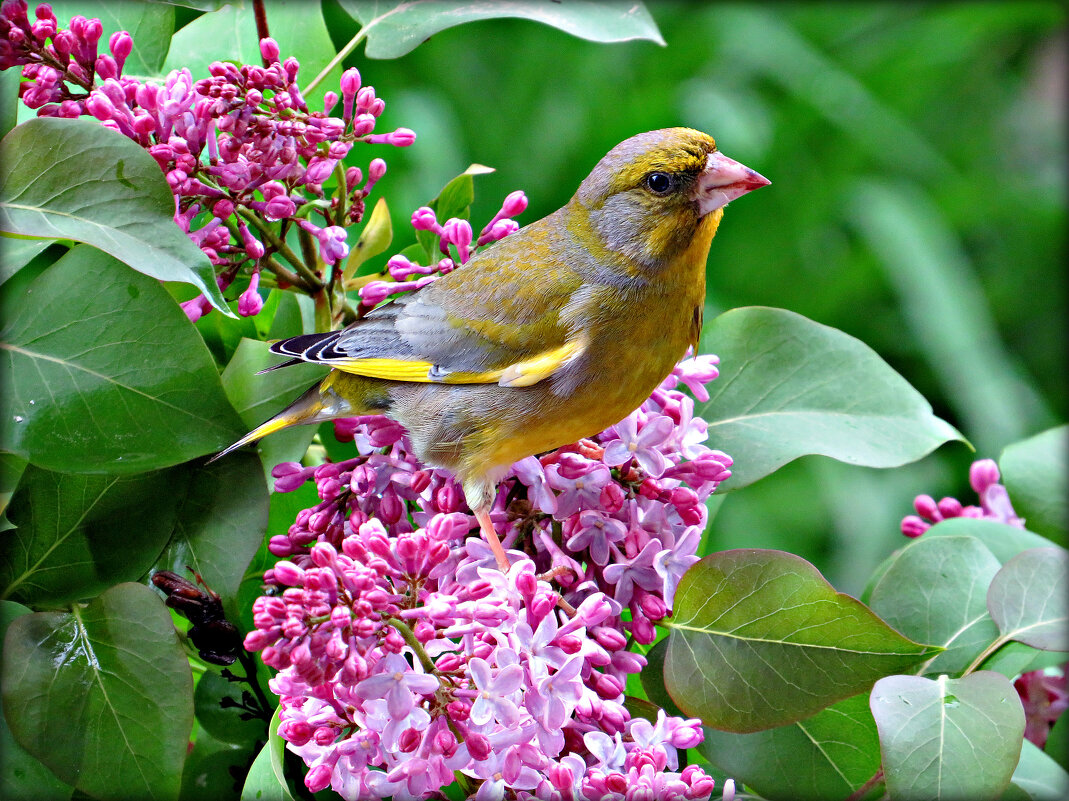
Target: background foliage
917, 155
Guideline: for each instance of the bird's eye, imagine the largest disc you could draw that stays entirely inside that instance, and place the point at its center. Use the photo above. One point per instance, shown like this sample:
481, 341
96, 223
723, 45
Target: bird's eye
659, 183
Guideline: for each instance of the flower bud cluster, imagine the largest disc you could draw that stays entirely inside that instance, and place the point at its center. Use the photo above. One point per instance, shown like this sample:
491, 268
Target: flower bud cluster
238, 148
408, 659
455, 233
994, 503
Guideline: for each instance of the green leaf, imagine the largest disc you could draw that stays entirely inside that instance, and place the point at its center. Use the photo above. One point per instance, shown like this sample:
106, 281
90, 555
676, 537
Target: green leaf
9, 99
259, 397
1057, 745
221, 521
948, 738
113, 379
212, 766
229, 34
828, 755
150, 25
1028, 598
77, 535
1038, 776
759, 639
375, 237
789, 387
225, 723
17, 253
102, 694
23, 777
394, 28
652, 679
1003, 540
262, 784
1034, 472
935, 591
75, 179
1014, 658
456, 197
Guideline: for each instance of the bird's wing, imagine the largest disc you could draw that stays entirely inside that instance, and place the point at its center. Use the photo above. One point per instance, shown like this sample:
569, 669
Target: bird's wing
491, 321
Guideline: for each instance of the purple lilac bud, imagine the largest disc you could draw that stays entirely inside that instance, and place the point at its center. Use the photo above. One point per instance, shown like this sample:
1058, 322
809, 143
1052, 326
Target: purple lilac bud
250, 303
994, 503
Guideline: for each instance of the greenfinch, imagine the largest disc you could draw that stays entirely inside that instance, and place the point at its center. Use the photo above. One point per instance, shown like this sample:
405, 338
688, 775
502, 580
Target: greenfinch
552, 334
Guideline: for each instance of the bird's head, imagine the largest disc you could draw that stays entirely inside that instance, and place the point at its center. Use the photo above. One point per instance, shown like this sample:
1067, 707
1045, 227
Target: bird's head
648, 196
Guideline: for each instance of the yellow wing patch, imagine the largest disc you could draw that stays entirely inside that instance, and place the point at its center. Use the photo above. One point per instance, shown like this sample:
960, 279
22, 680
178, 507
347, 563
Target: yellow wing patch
518, 374
393, 369
531, 371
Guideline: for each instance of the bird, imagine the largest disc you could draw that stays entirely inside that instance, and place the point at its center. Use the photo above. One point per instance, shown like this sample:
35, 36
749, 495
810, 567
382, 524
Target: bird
550, 335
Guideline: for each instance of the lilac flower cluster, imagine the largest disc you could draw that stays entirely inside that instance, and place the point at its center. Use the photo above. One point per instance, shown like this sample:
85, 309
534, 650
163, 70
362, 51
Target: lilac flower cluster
408, 661
407, 275
994, 503
240, 148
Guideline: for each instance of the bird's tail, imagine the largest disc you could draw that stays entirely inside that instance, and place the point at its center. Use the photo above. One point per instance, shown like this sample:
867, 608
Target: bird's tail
337, 395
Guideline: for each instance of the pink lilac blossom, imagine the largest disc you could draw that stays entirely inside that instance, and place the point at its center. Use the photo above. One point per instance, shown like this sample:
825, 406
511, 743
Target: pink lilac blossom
455, 233
406, 659
994, 503
241, 146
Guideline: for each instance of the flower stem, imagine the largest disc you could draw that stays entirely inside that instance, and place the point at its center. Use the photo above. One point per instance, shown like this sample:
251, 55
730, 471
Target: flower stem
310, 278
260, 13
860, 792
416, 645
998, 643
342, 55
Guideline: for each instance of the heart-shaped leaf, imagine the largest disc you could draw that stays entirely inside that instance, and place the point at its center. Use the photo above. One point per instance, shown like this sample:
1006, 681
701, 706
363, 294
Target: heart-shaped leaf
935, 591
118, 673
221, 521
948, 738
150, 25
23, 777
760, 639
1035, 474
1028, 598
828, 755
76, 179
77, 535
394, 28
109, 380
789, 387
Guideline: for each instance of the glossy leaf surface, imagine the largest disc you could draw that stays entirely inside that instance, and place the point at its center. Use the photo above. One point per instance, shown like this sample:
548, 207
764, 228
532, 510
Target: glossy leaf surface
110, 381
122, 678
1035, 474
395, 28
789, 387
828, 755
936, 592
948, 738
1028, 598
760, 639
94, 185
77, 534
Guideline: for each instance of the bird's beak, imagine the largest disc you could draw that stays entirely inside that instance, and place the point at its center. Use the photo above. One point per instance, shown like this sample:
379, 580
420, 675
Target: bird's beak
723, 180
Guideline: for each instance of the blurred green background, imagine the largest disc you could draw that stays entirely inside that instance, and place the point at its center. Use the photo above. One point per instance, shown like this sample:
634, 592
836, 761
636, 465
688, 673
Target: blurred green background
918, 201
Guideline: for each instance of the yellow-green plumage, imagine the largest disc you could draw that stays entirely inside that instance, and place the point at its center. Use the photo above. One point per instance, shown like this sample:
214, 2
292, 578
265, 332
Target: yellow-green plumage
552, 334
